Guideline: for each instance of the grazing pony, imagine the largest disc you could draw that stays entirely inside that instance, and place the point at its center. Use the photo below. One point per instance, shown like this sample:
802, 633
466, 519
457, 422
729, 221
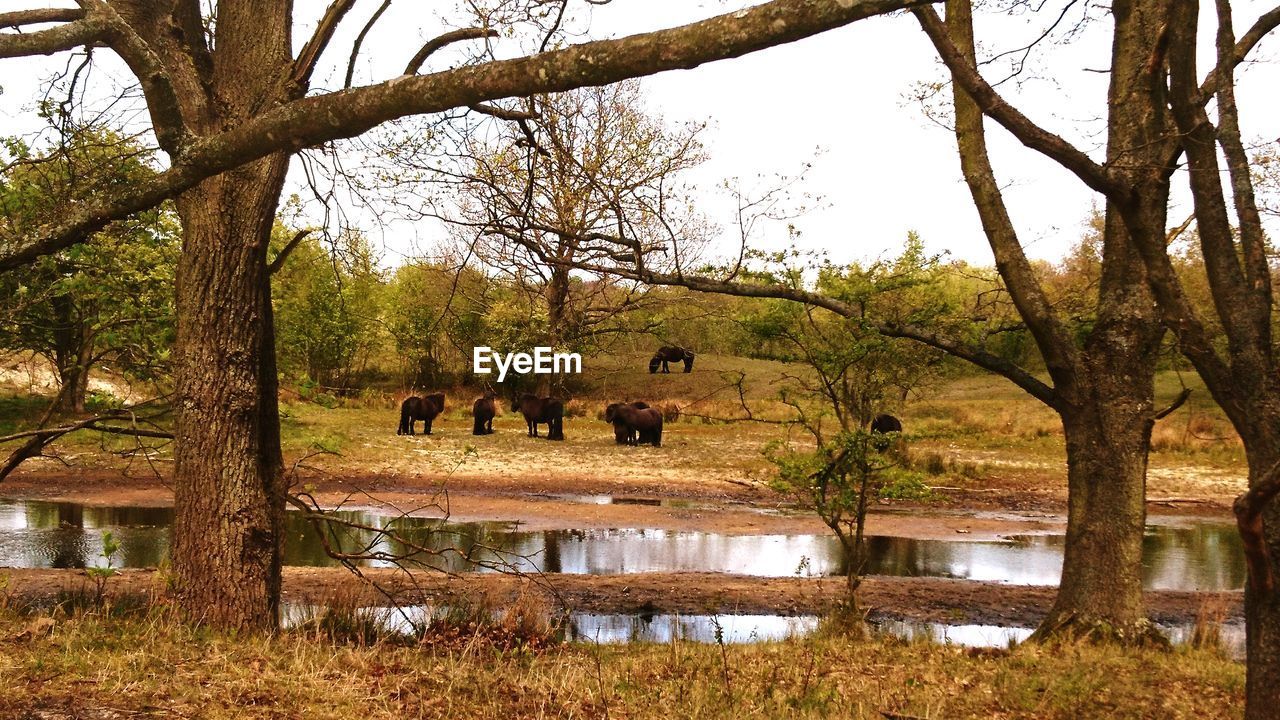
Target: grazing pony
635, 423
547, 410
669, 353
883, 425
415, 408
483, 411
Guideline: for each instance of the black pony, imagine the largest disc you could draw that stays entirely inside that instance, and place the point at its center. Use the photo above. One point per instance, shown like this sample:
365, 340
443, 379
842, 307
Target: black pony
670, 353
415, 408
483, 411
547, 410
634, 423
883, 425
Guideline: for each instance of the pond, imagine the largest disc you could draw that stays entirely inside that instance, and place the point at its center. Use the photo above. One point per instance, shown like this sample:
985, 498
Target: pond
1188, 556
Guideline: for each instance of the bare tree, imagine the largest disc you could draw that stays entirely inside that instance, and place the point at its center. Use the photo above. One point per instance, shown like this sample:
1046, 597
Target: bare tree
1102, 384
568, 167
229, 103
1243, 374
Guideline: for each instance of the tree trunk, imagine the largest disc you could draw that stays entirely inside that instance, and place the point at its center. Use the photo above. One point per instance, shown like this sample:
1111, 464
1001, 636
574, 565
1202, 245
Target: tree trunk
228, 478
70, 355
1100, 593
557, 294
1262, 608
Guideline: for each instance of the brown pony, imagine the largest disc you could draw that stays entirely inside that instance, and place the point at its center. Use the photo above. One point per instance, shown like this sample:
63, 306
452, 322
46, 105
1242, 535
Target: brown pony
415, 408
670, 353
547, 410
622, 434
881, 426
635, 425
483, 411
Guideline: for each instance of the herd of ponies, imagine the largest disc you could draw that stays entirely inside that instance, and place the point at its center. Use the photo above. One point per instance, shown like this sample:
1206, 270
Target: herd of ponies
634, 423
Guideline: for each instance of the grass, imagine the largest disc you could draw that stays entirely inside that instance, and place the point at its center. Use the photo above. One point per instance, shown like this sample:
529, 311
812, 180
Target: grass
87, 664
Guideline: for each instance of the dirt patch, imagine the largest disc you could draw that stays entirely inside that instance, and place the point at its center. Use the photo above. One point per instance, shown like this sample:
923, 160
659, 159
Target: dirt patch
923, 599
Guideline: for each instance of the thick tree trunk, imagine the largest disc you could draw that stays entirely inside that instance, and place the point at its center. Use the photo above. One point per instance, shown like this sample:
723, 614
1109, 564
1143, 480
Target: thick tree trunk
1262, 608
1105, 388
1100, 593
228, 478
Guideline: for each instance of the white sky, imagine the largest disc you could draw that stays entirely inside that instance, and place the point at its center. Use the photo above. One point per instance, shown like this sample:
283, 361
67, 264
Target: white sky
884, 168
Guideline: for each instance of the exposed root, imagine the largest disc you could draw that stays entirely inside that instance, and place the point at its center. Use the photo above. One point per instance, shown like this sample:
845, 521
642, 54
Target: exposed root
1074, 627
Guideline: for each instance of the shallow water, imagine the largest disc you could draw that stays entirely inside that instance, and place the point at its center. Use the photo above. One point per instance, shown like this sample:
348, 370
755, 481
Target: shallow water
610, 628
1191, 556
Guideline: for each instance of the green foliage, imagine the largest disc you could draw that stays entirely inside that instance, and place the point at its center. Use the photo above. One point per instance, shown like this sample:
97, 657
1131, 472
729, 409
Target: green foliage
903, 484
100, 575
436, 314
328, 305
110, 298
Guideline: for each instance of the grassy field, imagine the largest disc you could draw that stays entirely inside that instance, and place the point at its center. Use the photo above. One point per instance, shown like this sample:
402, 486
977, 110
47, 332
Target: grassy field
89, 665
975, 432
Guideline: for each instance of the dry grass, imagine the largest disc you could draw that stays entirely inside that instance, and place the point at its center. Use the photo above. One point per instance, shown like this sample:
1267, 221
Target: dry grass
975, 432
88, 665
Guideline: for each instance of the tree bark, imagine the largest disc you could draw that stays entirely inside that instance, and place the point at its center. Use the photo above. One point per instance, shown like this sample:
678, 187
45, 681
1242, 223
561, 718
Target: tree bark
1105, 388
229, 493
1100, 593
1262, 605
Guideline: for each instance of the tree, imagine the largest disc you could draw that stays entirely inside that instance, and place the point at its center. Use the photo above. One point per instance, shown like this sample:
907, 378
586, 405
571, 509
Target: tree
328, 309
584, 162
850, 373
436, 314
1243, 374
1100, 381
108, 298
229, 103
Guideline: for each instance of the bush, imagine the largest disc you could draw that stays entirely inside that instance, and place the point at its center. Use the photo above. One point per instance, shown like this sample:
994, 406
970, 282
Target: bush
905, 485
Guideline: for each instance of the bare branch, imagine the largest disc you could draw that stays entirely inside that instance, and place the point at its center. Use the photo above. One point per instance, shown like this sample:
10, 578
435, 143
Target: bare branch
1010, 118
1228, 63
85, 31
285, 251
40, 15
305, 64
1033, 304
1173, 406
313, 120
359, 41
437, 43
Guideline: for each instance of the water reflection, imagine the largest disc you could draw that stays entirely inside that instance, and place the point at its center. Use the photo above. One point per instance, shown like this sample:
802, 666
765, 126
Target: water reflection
738, 629
1197, 556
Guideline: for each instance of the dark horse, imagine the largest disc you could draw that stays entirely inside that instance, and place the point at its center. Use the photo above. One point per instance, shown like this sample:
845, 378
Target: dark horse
622, 434
547, 410
669, 353
483, 411
415, 408
883, 425
635, 423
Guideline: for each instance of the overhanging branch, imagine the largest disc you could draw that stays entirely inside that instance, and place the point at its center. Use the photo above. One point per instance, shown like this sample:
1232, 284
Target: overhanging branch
313, 120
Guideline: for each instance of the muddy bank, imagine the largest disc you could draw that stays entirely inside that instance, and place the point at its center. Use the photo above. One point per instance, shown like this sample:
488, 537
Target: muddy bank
538, 507
922, 599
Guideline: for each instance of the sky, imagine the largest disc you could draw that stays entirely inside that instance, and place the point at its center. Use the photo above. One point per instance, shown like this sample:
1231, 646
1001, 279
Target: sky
842, 101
